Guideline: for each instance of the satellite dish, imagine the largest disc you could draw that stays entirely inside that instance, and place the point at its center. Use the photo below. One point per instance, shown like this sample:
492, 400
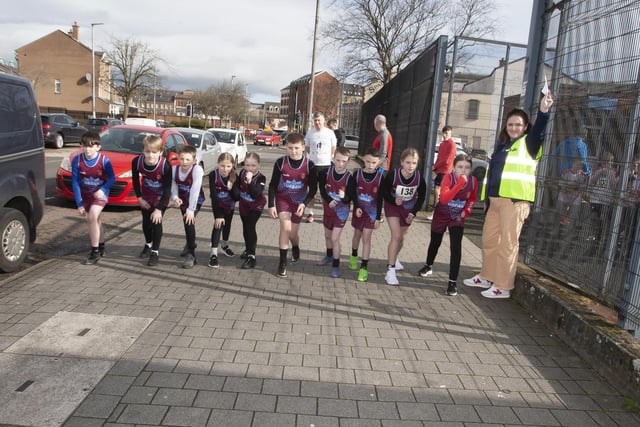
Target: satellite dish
88, 77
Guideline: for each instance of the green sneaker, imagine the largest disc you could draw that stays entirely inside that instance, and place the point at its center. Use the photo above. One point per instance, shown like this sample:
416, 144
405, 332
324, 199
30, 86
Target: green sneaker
363, 275
353, 263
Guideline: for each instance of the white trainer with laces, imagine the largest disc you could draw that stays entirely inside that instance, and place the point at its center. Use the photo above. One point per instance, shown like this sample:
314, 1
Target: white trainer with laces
478, 282
391, 278
399, 266
494, 292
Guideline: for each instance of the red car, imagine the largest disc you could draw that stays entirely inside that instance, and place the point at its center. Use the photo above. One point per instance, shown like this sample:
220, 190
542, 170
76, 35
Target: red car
267, 138
121, 144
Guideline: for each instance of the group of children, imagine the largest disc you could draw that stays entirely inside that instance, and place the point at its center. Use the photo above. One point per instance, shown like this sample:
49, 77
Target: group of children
294, 183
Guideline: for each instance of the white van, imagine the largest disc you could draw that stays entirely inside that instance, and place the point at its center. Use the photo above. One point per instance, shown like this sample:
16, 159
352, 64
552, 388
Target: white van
141, 121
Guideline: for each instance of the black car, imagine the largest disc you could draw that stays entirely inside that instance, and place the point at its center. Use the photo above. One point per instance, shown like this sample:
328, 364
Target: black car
22, 170
98, 125
59, 129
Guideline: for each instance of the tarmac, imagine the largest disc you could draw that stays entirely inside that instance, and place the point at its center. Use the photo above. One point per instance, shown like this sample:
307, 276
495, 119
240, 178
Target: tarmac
123, 344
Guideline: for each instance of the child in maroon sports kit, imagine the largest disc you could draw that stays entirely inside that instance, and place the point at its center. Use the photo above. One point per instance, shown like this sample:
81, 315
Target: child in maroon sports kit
367, 210
152, 176
337, 188
91, 178
293, 185
187, 194
223, 195
251, 203
457, 197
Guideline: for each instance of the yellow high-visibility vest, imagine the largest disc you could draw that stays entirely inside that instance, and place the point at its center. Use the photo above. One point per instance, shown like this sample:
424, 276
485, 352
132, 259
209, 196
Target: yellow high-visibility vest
518, 179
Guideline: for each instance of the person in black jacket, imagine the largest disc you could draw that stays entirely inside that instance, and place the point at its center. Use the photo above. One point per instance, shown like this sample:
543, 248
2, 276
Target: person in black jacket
340, 136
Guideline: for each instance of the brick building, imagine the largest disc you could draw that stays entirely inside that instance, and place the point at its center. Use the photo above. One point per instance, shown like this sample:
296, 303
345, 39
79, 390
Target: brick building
295, 98
60, 69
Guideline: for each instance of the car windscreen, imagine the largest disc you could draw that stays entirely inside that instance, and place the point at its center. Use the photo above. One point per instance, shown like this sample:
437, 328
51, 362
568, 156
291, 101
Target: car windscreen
123, 140
228, 137
192, 138
96, 122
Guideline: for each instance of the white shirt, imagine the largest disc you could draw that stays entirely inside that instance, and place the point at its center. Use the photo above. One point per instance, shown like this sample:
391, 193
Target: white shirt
320, 143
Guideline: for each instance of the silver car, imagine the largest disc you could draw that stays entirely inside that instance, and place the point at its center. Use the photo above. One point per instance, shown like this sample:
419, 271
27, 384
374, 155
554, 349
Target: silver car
208, 148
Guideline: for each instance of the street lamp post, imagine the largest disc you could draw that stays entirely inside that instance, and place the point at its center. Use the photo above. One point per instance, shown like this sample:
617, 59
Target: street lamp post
93, 73
231, 98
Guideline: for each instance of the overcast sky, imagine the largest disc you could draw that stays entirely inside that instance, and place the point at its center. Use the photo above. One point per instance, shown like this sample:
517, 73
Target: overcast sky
264, 43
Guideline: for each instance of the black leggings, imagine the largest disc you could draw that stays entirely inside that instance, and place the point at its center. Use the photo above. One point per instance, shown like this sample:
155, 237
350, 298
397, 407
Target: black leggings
152, 232
190, 232
249, 231
225, 230
455, 239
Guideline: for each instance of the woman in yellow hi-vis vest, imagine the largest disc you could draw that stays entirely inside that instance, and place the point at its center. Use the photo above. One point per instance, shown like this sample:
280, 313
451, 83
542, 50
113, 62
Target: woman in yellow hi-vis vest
510, 186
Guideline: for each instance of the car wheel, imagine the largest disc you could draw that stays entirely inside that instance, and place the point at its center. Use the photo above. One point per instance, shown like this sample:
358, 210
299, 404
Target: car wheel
58, 141
14, 239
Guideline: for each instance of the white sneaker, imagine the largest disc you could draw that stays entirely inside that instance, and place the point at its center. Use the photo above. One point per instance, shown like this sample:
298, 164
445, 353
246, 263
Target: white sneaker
494, 292
399, 266
391, 278
478, 282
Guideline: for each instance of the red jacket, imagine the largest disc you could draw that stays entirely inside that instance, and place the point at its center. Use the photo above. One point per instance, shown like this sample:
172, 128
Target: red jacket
446, 155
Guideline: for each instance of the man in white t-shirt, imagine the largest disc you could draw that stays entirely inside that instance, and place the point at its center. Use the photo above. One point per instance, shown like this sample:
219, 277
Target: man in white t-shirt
320, 143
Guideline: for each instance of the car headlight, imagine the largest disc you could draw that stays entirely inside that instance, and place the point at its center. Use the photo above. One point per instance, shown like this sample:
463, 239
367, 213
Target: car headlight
126, 174
65, 164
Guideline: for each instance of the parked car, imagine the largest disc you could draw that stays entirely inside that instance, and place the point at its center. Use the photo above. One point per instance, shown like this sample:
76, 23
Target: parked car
121, 144
267, 138
98, 125
352, 142
206, 145
22, 170
479, 153
231, 141
141, 121
58, 129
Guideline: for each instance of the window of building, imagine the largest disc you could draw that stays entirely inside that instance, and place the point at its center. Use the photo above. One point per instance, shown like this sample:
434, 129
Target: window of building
473, 107
477, 141
56, 86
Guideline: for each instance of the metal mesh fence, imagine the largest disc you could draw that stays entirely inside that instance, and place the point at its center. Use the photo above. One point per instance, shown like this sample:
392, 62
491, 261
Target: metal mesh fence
410, 103
584, 229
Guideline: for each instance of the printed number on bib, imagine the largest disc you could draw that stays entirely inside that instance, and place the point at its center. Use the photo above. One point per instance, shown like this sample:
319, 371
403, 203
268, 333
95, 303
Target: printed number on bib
406, 193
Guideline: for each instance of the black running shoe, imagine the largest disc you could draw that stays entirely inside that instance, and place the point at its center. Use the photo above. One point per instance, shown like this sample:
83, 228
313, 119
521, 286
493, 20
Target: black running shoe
213, 261
282, 270
146, 250
452, 289
249, 263
153, 259
295, 254
93, 258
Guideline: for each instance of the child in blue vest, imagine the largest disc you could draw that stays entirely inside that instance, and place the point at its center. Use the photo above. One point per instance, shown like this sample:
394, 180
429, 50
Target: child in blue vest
457, 197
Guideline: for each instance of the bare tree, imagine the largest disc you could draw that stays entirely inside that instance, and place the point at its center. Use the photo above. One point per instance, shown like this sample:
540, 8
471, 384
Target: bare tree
226, 100
377, 38
134, 68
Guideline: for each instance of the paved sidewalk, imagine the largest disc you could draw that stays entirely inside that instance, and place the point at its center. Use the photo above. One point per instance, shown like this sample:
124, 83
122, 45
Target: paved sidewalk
232, 347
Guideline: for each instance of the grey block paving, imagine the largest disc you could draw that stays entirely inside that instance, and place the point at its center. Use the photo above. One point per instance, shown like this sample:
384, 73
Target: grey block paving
245, 348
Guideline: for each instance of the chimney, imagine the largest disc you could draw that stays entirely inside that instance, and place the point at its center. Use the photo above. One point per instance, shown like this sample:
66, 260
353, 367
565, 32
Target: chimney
74, 30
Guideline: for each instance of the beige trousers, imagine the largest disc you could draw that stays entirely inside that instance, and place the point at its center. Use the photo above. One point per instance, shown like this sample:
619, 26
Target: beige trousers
500, 241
